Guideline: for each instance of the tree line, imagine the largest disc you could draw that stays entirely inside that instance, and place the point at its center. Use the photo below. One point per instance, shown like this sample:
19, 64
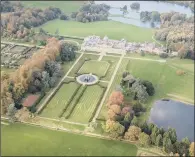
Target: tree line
177, 31
38, 73
90, 12
19, 24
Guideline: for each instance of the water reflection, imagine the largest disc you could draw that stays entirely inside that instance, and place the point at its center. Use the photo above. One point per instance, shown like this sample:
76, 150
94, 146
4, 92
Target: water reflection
176, 115
133, 16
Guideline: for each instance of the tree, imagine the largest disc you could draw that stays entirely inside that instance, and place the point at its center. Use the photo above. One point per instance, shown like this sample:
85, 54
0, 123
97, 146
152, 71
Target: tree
144, 139
158, 141
140, 90
135, 121
11, 112
149, 87
63, 17
73, 15
116, 97
167, 145
68, 51
115, 129
135, 5
191, 149
155, 16
133, 133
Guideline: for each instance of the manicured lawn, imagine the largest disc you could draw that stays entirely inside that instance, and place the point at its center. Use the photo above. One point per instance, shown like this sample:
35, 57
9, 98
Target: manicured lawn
24, 140
65, 6
73, 102
86, 105
98, 68
80, 63
165, 81
113, 62
113, 29
59, 101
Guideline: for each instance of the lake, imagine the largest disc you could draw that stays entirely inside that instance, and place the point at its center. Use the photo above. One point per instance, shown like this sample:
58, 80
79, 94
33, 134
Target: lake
176, 115
133, 17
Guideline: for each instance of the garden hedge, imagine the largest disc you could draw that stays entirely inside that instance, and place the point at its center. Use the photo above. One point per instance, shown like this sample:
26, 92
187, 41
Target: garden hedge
97, 105
77, 100
50, 98
69, 101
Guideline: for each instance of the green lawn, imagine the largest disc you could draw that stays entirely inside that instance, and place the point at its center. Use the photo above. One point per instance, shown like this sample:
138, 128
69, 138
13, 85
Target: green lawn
164, 78
65, 6
80, 63
113, 62
86, 105
165, 81
59, 101
114, 30
24, 140
98, 68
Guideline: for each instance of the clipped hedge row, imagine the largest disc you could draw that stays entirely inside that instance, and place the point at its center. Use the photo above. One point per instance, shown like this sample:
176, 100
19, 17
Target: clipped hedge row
69, 101
97, 105
106, 71
82, 63
50, 98
77, 100
33, 107
100, 119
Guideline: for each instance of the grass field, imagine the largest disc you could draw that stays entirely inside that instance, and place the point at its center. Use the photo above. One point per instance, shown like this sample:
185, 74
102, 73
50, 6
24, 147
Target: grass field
65, 6
85, 107
98, 68
59, 101
24, 140
80, 63
164, 78
114, 30
113, 62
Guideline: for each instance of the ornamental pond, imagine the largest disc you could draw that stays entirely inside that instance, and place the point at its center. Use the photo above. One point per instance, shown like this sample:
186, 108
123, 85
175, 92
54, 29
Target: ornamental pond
176, 115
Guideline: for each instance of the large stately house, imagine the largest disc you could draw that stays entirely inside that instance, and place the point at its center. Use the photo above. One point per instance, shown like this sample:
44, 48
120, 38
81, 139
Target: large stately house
95, 43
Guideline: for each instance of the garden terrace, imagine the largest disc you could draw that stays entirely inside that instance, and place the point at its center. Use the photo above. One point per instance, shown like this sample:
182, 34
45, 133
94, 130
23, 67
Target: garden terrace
14, 55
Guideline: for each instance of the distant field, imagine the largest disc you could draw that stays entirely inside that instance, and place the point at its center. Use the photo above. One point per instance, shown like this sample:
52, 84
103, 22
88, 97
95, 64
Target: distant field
114, 30
24, 140
65, 6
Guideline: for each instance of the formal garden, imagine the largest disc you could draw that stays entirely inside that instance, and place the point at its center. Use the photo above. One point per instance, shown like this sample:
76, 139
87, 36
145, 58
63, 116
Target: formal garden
105, 95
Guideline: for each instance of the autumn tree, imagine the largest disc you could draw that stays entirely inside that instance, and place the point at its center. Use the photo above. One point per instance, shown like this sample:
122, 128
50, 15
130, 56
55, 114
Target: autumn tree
191, 149
144, 139
115, 129
116, 97
133, 133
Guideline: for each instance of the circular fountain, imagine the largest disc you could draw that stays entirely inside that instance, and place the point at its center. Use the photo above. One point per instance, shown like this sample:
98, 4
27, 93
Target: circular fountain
87, 79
